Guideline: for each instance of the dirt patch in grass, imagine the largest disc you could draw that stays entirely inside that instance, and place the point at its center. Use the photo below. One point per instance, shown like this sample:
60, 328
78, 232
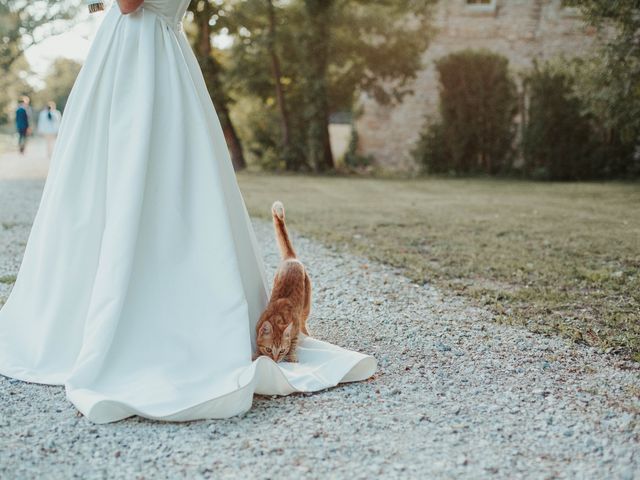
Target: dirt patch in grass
557, 258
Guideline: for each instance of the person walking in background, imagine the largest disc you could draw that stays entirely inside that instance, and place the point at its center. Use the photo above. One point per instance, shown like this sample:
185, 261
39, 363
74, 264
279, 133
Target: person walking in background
48, 125
22, 123
27, 107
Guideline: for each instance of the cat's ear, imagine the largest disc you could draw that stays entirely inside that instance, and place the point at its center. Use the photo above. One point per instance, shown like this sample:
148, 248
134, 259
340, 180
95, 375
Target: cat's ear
287, 331
266, 329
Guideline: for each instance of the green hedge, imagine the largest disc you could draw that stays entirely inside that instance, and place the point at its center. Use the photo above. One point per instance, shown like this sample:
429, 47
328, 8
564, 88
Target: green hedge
478, 103
561, 141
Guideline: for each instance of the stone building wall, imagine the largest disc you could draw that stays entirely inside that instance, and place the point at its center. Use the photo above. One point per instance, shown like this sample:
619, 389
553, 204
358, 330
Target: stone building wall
521, 30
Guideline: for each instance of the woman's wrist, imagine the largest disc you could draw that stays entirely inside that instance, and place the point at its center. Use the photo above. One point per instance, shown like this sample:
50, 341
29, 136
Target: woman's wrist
129, 6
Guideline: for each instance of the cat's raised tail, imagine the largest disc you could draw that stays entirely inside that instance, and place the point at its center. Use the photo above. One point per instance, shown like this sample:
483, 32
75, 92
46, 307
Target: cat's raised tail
282, 235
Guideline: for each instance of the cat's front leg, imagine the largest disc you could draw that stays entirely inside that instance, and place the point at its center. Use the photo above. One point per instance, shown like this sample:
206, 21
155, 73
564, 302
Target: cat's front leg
292, 356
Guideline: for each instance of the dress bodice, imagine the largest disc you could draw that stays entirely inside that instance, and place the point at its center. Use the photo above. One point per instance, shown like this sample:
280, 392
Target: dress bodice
171, 10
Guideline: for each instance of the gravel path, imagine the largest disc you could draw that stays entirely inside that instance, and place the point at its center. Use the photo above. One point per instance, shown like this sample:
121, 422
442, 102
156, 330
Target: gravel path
456, 396
32, 165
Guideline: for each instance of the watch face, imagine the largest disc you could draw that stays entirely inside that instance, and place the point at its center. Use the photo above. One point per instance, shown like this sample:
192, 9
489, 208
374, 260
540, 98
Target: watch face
96, 6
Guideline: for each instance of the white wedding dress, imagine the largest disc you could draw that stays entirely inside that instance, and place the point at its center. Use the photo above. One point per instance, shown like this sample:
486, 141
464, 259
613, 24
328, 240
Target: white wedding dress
142, 281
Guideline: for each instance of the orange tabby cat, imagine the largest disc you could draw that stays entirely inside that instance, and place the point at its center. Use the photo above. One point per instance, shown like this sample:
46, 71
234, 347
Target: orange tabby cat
288, 309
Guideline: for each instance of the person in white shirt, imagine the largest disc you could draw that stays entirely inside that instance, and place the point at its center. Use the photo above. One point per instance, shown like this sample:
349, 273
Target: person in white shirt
49, 124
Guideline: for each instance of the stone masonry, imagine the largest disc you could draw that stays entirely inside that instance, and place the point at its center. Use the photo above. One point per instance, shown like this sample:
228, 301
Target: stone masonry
521, 30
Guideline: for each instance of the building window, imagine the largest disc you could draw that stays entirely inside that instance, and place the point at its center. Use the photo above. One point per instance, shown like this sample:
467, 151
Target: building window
481, 5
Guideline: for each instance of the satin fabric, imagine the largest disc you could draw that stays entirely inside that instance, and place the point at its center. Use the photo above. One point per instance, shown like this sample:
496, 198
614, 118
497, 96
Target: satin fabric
142, 280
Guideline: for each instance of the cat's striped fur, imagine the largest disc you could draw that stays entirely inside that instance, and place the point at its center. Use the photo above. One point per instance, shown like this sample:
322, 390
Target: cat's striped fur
286, 314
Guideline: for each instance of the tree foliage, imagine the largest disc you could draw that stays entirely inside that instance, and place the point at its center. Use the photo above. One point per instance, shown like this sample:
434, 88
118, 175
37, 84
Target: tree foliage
557, 142
58, 83
328, 52
24, 23
562, 139
203, 11
609, 81
12, 86
319, 16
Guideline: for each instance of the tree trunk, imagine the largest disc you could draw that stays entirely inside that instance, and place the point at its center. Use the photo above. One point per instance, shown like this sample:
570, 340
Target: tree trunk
289, 158
318, 142
211, 71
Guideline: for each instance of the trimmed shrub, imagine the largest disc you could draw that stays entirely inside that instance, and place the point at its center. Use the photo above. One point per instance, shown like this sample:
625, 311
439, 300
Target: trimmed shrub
561, 141
557, 141
478, 104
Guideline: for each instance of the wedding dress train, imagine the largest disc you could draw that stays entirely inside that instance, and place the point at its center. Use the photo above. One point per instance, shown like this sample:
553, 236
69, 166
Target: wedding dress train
142, 281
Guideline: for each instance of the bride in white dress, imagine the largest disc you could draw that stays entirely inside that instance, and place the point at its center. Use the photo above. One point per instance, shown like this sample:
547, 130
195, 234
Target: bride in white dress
142, 281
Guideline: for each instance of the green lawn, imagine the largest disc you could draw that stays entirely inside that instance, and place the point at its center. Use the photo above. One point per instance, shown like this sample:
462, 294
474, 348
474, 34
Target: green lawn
556, 257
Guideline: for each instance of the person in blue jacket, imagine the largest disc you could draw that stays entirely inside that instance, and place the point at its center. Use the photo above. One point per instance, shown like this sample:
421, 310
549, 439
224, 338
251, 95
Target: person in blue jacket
22, 123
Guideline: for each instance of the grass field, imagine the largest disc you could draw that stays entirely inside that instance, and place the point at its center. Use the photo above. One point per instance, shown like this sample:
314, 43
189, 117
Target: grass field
557, 258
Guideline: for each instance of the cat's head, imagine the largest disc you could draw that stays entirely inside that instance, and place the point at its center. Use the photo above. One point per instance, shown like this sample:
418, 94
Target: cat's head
273, 341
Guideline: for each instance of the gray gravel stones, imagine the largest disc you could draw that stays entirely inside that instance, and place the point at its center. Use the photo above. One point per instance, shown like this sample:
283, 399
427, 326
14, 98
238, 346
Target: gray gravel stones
456, 396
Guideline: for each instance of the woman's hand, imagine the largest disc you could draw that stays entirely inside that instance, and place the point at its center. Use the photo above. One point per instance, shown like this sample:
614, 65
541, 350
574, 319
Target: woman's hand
128, 6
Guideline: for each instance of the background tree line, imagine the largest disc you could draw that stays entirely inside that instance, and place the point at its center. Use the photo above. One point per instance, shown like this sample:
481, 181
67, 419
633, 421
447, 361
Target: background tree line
294, 63
289, 65
23, 24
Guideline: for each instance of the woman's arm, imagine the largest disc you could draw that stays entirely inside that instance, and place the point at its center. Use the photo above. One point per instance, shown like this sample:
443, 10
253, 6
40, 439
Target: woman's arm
128, 6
